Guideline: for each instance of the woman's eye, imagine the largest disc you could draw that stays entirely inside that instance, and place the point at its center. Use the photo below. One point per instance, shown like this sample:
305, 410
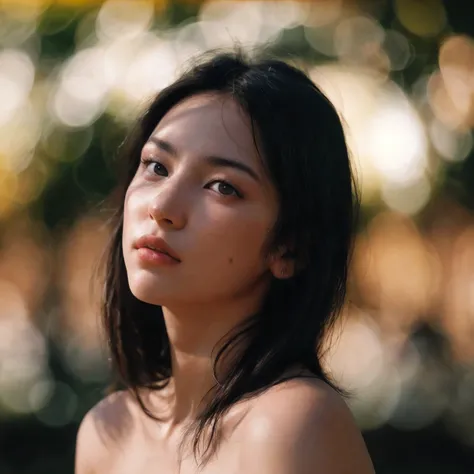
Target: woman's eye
153, 166
220, 186
224, 188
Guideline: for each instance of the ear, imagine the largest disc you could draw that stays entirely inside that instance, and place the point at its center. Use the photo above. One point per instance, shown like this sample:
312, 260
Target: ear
282, 263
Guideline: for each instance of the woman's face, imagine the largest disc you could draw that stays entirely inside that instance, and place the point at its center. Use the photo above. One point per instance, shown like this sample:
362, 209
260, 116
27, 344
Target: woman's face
200, 187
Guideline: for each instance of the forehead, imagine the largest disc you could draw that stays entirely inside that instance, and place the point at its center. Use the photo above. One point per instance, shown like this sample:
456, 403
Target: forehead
209, 124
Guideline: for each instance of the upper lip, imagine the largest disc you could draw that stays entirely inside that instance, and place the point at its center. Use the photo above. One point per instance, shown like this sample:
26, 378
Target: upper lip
156, 243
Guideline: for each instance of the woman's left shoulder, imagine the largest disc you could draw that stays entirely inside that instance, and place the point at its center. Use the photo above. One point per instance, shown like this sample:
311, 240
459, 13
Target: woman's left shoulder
304, 424
301, 401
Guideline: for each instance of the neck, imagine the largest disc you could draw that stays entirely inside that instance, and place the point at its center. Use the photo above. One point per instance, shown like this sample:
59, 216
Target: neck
195, 334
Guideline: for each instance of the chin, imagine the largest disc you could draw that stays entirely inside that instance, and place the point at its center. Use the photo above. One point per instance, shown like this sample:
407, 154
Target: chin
145, 288
149, 296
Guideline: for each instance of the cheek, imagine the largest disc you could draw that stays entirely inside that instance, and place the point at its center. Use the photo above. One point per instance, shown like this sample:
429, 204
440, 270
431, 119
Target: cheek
133, 211
134, 204
243, 239
132, 198
127, 213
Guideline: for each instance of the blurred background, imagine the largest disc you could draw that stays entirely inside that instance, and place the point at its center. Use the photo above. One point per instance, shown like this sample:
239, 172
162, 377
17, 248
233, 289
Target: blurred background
74, 74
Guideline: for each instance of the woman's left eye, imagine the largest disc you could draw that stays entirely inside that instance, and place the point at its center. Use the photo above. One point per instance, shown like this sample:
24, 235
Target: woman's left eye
224, 188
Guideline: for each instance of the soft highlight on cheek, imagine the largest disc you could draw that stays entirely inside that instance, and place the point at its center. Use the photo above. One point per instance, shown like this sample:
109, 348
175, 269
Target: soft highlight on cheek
134, 201
134, 212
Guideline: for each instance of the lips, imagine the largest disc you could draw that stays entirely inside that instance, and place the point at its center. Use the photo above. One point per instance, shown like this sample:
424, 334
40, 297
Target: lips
157, 244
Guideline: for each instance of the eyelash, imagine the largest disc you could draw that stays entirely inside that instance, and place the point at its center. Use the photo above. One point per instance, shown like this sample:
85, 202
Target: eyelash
148, 161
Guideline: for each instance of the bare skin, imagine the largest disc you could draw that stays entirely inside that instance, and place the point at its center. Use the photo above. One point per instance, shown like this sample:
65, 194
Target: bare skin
299, 427
218, 230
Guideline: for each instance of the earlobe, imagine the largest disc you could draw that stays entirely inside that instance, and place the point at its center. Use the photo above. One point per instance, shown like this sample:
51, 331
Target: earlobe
282, 263
283, 268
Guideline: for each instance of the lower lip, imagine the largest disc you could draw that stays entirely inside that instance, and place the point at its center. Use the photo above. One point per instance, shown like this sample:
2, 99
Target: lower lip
154, 257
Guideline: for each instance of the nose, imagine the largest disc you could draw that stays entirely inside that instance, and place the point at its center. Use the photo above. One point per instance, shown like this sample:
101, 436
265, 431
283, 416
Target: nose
167, 206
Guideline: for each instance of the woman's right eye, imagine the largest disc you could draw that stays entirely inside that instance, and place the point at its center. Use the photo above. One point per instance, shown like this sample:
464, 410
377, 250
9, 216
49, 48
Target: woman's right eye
154, 167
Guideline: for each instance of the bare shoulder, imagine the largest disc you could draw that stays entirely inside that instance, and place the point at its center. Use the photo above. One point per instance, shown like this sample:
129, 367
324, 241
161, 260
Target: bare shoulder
103, 431
299, 398
303, 426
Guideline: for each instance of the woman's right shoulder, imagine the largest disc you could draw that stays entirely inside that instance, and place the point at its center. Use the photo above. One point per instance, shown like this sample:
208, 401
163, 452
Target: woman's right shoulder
103, 431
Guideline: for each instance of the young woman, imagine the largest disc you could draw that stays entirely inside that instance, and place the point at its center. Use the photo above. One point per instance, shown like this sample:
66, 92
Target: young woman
227, 267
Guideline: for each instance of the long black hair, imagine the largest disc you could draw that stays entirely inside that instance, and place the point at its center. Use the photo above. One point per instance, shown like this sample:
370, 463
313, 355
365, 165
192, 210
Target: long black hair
301, 141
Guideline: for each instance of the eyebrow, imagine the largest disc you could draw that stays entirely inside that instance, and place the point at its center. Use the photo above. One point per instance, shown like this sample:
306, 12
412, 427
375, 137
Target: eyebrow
216, 161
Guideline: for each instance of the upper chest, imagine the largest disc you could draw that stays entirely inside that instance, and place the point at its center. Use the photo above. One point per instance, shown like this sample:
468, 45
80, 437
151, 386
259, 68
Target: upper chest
166, 462
142, 453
